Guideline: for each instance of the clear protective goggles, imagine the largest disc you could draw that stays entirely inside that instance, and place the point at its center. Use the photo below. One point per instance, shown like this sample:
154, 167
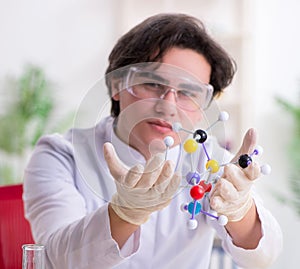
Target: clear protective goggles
157, 80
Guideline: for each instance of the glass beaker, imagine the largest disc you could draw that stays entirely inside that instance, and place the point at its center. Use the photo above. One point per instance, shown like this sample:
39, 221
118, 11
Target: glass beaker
33, 256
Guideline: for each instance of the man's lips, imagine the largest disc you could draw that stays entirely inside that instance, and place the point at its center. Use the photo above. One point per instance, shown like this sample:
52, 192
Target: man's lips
161, 126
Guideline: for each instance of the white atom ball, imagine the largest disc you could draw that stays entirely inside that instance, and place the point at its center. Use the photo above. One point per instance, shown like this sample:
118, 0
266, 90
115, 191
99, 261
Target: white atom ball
223, 116
192, 224
265, 169
176, 126
222, 220
169, 141
259, 150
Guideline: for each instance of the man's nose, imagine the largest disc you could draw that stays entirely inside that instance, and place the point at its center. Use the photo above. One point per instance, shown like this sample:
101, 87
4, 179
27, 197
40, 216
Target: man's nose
167, 103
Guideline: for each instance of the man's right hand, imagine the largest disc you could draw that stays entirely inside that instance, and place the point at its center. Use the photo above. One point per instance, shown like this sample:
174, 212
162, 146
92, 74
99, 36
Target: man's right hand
141, 190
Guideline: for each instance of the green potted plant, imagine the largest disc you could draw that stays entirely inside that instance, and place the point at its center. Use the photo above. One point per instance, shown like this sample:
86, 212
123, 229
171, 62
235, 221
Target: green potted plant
25, 118
293, 151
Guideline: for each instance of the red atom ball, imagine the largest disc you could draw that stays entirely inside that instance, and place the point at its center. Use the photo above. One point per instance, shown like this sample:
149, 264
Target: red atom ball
197, 192
206, 187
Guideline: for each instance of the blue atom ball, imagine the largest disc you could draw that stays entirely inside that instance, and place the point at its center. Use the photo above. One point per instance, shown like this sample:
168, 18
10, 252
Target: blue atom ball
191, 208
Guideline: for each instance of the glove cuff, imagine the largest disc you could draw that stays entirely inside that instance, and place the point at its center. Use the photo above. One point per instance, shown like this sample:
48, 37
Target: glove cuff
238, 214
134, 216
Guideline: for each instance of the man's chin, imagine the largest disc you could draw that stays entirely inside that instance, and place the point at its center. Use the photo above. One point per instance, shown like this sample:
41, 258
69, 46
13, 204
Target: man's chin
156, 146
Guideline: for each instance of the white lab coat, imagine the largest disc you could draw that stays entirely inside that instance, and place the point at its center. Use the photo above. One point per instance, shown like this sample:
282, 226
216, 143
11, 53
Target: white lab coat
67, 186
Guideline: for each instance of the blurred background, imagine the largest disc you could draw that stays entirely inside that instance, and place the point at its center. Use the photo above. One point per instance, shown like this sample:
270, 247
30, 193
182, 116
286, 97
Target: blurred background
52, 52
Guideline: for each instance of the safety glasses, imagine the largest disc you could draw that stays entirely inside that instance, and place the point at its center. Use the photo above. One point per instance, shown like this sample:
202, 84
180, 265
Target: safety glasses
157, 80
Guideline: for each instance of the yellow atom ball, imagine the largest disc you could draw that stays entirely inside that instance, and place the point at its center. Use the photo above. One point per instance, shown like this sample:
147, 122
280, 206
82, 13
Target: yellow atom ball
190, 146
213, 166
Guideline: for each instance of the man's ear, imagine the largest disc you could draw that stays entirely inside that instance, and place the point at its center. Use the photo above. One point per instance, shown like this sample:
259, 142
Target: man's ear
116, 97
115, 90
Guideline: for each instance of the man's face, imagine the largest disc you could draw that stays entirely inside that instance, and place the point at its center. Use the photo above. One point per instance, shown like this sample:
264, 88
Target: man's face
144, 123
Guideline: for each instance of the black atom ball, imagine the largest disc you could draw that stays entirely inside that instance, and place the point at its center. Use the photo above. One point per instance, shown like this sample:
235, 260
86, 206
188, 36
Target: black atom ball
200, 136
245, 160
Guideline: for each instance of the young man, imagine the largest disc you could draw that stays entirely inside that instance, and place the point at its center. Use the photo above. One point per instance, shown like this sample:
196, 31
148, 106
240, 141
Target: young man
165, 70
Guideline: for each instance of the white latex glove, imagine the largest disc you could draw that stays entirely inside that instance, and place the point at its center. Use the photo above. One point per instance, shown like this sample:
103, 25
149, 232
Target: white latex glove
141, 190
231, 195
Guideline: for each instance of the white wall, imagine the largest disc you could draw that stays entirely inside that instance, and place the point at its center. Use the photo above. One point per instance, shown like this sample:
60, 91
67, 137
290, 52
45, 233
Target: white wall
69, 39
72, 39
277, 73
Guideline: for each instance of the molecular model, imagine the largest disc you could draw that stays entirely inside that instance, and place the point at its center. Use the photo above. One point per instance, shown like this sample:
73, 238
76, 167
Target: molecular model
200, 187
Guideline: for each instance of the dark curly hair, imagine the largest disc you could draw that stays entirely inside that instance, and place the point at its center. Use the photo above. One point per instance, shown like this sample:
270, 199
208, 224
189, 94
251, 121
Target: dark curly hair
151, 39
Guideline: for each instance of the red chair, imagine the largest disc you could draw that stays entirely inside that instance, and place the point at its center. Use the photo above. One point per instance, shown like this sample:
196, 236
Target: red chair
14, 228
